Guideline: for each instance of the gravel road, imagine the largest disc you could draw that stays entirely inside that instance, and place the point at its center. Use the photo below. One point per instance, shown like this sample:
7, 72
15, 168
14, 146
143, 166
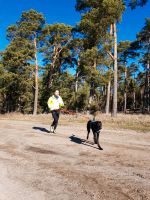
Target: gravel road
37, 165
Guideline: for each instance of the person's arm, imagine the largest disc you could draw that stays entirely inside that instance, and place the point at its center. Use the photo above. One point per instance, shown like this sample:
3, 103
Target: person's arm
50, 103
61, 103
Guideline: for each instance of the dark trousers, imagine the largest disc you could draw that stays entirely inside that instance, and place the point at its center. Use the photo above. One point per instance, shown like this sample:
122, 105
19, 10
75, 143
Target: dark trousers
55, 115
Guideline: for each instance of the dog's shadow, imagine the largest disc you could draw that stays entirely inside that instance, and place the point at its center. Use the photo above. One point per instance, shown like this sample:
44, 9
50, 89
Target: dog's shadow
78, 140
41, 129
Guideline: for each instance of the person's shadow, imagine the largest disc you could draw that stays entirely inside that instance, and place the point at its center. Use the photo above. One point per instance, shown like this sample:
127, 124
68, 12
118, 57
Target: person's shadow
41, 129
81, 141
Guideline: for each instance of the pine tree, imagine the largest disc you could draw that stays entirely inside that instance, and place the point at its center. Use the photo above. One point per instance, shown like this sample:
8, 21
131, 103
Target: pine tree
56, 39
17, 79
143, 39
124, 54
95, 22
29, 27
134, 3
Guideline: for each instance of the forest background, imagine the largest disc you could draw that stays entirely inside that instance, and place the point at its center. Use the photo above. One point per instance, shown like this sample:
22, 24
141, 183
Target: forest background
97, 63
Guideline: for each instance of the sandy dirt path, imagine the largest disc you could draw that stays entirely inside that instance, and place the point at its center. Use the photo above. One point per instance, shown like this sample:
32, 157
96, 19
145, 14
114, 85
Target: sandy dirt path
38, 165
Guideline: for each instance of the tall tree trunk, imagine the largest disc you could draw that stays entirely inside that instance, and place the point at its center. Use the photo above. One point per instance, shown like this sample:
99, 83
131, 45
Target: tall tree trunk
141, 93
92, 90
108, 99
76, 81
148, 86
36, 79
95, 63
134, 94
114, 111
125, 91
76, 89
77, 76
107, 108
134, 101
146, 96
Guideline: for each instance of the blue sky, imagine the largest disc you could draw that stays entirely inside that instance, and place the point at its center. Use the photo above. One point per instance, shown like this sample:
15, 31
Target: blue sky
63, 11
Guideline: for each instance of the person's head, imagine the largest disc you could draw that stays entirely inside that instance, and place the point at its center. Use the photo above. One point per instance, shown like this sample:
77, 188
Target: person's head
56, 93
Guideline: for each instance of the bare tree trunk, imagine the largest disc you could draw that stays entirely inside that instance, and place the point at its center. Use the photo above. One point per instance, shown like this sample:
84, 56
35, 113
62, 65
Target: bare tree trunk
125, 102
76, 89
114, 111
134, 100
105, 91
125, 92
141, 93
111, 29
146, 96
95, 63
76, 82
108, 99
92, 92
91, 97
36, 80
77, 76
148, 86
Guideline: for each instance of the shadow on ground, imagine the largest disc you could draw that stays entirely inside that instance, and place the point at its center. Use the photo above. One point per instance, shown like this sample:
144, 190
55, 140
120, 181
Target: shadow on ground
40, 150
41, 129
82, 141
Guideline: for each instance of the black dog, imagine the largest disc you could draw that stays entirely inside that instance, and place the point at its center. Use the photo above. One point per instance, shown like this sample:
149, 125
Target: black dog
96, 126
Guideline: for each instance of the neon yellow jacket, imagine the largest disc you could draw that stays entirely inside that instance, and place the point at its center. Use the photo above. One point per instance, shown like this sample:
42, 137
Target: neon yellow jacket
55, 103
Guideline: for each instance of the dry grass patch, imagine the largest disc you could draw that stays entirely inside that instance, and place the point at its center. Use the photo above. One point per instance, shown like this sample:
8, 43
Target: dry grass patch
127, 121
123, 121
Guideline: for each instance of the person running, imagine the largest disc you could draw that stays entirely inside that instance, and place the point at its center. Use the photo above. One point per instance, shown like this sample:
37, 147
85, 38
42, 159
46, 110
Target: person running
55, 103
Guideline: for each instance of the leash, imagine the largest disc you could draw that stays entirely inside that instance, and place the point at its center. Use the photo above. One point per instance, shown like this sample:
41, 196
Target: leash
71, 112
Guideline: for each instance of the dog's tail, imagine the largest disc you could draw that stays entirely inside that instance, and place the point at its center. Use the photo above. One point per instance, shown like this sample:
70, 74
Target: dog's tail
98, 144
88, 126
